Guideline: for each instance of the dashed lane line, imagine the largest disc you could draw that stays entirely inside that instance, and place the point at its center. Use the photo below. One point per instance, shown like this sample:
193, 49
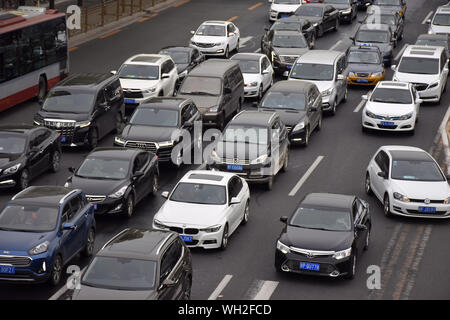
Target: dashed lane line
220, 287
305, 176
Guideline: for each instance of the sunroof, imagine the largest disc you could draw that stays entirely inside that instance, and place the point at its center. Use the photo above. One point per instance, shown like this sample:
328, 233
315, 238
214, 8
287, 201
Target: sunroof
202, 176
145, 59
393, 84
422, 52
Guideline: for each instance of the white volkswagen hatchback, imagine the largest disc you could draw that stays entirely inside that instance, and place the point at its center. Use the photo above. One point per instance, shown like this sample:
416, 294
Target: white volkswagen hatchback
205, 208
409, 182
391, 106
216, 38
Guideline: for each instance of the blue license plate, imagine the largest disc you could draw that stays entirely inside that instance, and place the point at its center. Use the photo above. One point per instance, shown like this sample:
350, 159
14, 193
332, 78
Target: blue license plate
366, 44
186, 238
289, 67
427, 209
359, 3
130, 101
387, 123
362, 80
63, 139
284, 15
234, 167
7, 269
95, 206
309, 266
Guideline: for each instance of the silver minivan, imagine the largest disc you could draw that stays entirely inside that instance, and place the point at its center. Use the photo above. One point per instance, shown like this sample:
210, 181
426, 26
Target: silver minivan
327, 69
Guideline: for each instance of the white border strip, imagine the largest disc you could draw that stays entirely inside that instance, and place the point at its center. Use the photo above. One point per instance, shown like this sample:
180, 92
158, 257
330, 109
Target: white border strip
305, 176
335, 45
266, 290
427, 17
220, 287
360, 105
445, 142
398, 56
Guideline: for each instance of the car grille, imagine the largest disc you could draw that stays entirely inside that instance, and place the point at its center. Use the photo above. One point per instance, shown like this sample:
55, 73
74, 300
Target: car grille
203, 45
130, 94
423, 201
386, 117
16, 261
312, 253
425, 213
363, 75
65, 127
288, 59
381, 126
149, 146
94, 199
235, 161
420, 86
184, 231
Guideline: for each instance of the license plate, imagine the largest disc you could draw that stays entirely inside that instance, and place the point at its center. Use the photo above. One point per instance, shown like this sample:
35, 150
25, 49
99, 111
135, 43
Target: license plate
186, 238
63, 139
309, 266
95, 206
362, 80
284, 15
387, 123
234, 167
129, 101
366, 44
427, 209
289, 67
7, 269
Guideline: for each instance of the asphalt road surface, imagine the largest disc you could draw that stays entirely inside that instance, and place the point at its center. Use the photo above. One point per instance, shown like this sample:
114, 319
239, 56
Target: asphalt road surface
413, 254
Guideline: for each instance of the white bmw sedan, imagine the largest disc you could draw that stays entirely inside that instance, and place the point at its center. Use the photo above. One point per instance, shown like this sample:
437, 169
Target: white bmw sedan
391, 106
409, 182
205, 208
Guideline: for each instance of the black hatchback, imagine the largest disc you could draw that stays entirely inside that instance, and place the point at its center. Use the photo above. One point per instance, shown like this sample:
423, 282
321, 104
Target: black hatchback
324, 236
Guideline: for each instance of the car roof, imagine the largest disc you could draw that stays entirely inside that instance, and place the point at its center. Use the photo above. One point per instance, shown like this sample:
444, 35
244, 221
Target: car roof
423, 51
319, 56
51, 195
114, 152
284, 32
164, 102
247, 56
390, 148
137, 243
375, 27
427, 36
177, 48
291, 86
85, 80
216, 22
292, 18
213, 68
250, 117
144, 58
410, 155
207, 177
445, 9
394, 85
330, 200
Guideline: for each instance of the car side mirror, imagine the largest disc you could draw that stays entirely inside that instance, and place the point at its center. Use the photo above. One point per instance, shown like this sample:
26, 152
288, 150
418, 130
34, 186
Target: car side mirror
312, 108
165, 76
448, 177
428, 21
381, 174
167, 283
192, 32
352, 38
419, 101
394, 67
227, 91
284, 219
365, 97
340, 77
266, 28
72, 169
68, 226
113, 71
360, 227
165, 194
265, 71
234, 200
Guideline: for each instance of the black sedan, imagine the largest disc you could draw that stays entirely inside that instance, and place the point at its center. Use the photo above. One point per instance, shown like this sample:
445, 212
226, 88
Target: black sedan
25, 153
324, 236
393, 19
348, 9
324, 17
116, 179
292, 23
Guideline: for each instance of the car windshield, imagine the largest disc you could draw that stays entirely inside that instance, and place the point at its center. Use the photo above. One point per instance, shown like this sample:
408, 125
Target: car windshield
199, 193
419, 65
28, 218
246, 134
322, 219
416, 170
12, 143
202, 86
381, 19
441, 19
387, 2
289, 41
139, 72
307, 11
104, 168
312, 71
432, 42
212, 30
287, 1
281, 25
179, 57
364, 57
249, 66
69, 101
120, 273
394, 96
375, 36
155, 117
284, 100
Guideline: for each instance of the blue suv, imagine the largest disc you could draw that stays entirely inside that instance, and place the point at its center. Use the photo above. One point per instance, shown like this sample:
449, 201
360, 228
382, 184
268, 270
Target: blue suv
41, 230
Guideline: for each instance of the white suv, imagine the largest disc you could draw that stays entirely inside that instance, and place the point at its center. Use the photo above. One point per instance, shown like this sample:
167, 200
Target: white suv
216, 38
440, 23
426, 67
283, 8
391, 106
147, 75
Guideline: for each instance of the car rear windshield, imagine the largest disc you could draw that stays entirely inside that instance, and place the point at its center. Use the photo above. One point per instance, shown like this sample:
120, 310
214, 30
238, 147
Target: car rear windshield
284, 100
312, 71
322, 219
289, 41
283, 25
364, 57
387, 2
12, 143
249, 66
416, 170
441, 19
202, 86
177, 56
103, 168
419, 65
120, 273
199, 193
69, 101
139, 72
155, 117
374, 36
307, 11
28, 218
394, 96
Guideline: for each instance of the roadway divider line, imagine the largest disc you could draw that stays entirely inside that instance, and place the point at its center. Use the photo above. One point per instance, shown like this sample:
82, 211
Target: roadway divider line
147, 18
359, 106
180, 3
401, 52
266, 289
335, 45
305, 176
427, 17
258, 50
255, 6
109, 34
232, 19
220, 287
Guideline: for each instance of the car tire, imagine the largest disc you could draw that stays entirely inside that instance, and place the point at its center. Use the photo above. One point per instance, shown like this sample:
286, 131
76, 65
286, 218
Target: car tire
237, 46
367, 240
285, 163
319, 31
119, 122
312, 43
260, 93
93, 138
187, 290
56, 273
333, 108
155, 184
269, 184
221, 122
319, 123
129, 208
246, 215
56, 162
224, 242
42, 89
411, 132
364, 129
24, 180
387, 206
351, 274
88, 250
336, 26
227, 53
307, 134
367, 187
345, 98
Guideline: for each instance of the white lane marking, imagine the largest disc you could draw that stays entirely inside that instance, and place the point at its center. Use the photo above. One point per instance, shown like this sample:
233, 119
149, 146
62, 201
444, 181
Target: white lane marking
336, 44
401, 52
427, 17
360, 105
220, 287
63, 289
305, 176
244, 40
266, 290
258, 50
202, 166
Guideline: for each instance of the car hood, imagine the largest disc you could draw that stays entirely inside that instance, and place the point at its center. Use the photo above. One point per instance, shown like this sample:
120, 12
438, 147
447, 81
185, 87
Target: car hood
203, 103
384, 47
440, 29
63, 115
389, 109
321, 85
312, 19
416, 78
19, 242
284, 7
6, 159
147, 133
231, 150
96, 186
289, 117
361, 67
438, 190
208, 39
92, 293
290, 51
252, 77
140, 84
190, 214
319, 240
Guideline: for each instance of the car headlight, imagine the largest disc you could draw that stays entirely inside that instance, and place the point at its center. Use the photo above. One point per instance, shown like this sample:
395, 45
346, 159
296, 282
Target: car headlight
315, 24
37, 122
260, 159
282, 247
212, 228
433, 85
12, 169
166, 143
327, 92
377, 74
213, 109
83, 124
159, 224
370, 114
252, 84
342, 254
119, 140
352, 74
40, 248
119, 193
299, 126
406, 116
347, 11
150, 90
400, 197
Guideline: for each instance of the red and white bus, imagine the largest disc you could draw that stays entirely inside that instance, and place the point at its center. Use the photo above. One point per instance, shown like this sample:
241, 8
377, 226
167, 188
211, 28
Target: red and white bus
33, 53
